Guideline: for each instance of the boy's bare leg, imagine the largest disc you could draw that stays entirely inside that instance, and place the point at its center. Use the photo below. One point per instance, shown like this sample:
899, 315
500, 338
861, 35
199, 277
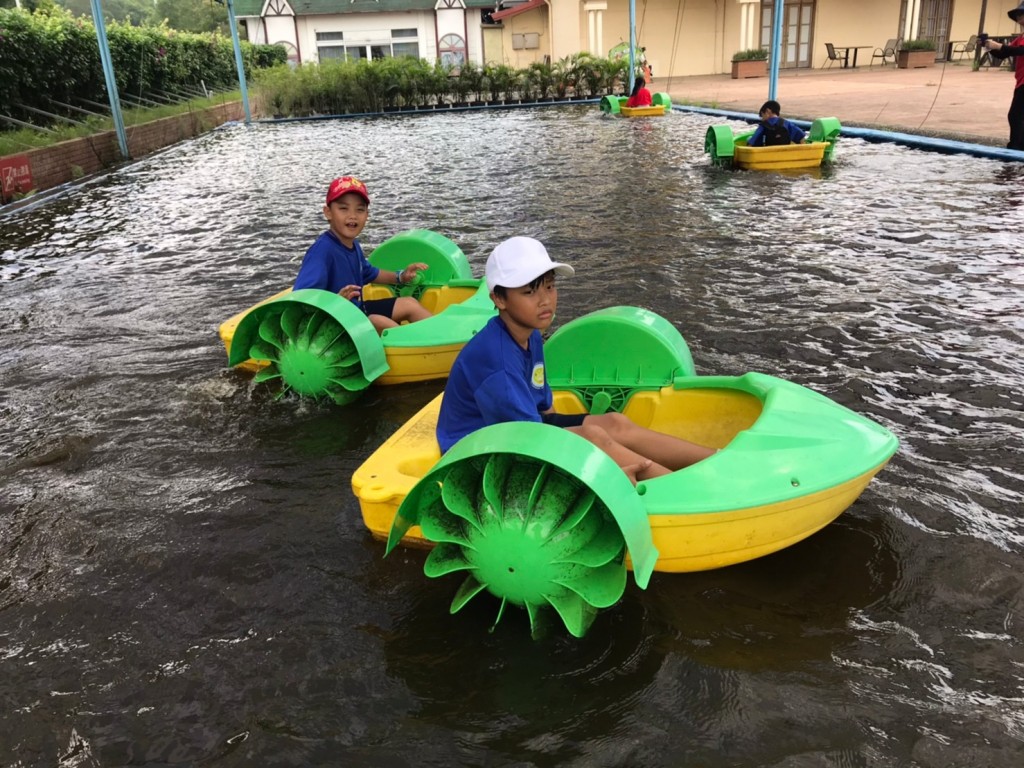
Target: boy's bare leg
636, 466
408, 309
666, 450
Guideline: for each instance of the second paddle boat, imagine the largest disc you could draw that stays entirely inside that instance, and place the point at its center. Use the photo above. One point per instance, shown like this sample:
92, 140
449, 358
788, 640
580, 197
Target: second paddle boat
541, 518
730, 150
320, 345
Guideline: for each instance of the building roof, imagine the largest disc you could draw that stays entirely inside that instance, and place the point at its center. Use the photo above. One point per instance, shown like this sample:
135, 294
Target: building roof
529, 5
336, 7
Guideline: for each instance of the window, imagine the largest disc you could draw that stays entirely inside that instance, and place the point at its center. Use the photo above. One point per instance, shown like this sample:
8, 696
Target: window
325, 52
452, 49
402, 42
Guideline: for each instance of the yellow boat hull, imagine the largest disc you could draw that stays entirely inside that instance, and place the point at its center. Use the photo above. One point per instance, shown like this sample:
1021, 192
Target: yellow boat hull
693, 540
653, 110
786, 157
405, 364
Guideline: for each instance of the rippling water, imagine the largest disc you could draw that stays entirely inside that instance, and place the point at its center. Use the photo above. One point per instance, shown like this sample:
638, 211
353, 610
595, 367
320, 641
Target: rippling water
184, 574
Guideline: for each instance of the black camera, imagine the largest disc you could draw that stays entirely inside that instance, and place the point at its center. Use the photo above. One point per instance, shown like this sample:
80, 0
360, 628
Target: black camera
982, 38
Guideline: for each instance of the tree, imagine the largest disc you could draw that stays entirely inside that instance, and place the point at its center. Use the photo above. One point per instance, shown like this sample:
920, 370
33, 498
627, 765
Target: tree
193, 15
138, 12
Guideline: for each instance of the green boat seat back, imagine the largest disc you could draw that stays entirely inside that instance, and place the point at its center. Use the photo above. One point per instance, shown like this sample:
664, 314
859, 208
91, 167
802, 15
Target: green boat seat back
444, 259
661, 99
605, 356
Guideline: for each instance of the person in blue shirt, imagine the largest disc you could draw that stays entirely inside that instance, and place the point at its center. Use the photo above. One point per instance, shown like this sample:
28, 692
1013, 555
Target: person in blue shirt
335, 262
773, 131
499, 375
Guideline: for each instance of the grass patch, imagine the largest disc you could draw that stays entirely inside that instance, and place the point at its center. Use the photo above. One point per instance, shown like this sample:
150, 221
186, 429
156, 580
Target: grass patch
13, 142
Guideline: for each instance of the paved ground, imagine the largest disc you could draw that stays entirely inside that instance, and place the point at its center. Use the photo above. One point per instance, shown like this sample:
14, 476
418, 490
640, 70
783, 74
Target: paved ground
947, 101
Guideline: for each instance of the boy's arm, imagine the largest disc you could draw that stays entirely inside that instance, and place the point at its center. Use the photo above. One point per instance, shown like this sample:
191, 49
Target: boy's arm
312, 273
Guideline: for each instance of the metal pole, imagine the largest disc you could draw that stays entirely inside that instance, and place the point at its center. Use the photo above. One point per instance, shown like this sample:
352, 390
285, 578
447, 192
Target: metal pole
981, 28
108, 76
238, 59
632, 44
776, 49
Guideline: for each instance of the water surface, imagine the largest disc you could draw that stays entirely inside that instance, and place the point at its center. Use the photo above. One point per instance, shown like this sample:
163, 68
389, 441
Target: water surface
184, 574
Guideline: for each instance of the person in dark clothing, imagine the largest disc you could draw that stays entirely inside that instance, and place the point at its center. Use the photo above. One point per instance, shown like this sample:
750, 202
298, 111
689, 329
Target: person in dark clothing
773, 131
1001, 51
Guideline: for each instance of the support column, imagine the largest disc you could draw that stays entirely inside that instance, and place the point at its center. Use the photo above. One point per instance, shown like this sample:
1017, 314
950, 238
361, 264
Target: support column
595, 22
750, 17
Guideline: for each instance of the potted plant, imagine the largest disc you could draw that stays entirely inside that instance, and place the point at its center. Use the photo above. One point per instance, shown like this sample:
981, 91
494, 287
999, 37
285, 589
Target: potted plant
916, 53
752, 62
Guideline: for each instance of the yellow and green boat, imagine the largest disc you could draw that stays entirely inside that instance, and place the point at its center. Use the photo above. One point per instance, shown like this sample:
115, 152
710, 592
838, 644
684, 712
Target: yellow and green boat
541, 518
730, 150
320, 345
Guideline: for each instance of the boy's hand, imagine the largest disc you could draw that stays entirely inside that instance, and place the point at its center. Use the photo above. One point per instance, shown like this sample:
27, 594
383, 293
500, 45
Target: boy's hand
414, 269
632, 470
350, 292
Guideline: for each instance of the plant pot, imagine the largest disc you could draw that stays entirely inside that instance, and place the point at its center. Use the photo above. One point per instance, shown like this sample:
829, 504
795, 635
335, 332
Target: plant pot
915, 59
749, 68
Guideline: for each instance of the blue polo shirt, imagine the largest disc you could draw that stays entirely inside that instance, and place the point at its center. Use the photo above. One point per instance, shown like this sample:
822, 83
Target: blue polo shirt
493, 380
330, 265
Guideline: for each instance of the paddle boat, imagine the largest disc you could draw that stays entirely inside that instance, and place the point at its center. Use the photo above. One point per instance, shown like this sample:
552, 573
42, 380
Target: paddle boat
731, 150
661, 104
317, 344
541, 518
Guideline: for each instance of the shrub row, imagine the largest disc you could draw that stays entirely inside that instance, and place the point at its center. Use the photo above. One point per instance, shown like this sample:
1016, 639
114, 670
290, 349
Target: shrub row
340, 87
51, 56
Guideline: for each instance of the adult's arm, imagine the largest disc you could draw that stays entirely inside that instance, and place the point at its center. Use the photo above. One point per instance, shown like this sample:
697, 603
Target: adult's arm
1005, 51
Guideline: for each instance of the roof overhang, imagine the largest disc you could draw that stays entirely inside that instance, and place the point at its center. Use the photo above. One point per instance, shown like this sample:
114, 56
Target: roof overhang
517, 9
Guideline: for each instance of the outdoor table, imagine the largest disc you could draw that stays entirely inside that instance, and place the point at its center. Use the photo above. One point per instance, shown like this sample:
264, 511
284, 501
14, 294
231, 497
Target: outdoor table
854, 48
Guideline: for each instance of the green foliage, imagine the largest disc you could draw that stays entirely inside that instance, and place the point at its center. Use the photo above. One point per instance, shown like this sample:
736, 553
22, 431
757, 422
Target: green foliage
51, 56
128, 11
918, 44
347, 87
751, 54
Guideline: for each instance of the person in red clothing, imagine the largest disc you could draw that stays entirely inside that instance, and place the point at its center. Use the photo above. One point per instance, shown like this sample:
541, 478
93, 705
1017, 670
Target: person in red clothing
1014, 48
641, 97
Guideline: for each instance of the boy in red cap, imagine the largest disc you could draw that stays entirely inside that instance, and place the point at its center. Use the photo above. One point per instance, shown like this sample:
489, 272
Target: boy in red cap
1001, 51
499, 374
335, 262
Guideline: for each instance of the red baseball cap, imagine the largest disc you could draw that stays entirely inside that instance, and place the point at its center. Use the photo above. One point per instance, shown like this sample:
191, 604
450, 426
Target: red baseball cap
343, 186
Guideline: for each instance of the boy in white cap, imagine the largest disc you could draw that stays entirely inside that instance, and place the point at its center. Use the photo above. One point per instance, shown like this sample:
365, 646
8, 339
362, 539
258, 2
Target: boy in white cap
499, 375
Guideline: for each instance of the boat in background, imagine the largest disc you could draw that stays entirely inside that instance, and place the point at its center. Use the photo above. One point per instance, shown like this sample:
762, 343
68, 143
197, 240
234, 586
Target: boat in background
729, 150
661, 104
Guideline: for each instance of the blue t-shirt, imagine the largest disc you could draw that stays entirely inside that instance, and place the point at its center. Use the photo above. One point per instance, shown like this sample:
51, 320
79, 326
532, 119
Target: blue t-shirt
330, 265
796, 134
493, 380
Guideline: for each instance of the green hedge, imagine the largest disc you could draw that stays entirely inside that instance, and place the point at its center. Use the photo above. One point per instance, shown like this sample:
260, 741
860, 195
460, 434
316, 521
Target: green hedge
340, 87
52, 56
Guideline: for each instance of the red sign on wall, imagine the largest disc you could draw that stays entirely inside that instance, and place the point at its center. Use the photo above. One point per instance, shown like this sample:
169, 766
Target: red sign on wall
15, 176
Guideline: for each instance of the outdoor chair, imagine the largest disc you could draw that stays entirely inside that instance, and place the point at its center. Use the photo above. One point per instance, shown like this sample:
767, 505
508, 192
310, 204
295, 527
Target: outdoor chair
887, 51
834, 55
961, 49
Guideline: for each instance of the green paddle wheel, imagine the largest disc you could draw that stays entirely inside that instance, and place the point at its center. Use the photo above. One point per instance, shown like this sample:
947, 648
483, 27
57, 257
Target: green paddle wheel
315, 343
536, 515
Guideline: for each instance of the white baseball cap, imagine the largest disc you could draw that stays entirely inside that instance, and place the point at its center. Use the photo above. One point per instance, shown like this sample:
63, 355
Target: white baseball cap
519, 261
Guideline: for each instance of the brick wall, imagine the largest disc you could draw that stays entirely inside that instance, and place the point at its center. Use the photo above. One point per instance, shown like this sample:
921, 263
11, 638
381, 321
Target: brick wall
69, 160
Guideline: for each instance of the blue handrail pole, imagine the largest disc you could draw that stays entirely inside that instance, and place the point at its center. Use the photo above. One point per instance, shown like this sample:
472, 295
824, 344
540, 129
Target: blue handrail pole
632, 44
238, 60
776, 50
108, 76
